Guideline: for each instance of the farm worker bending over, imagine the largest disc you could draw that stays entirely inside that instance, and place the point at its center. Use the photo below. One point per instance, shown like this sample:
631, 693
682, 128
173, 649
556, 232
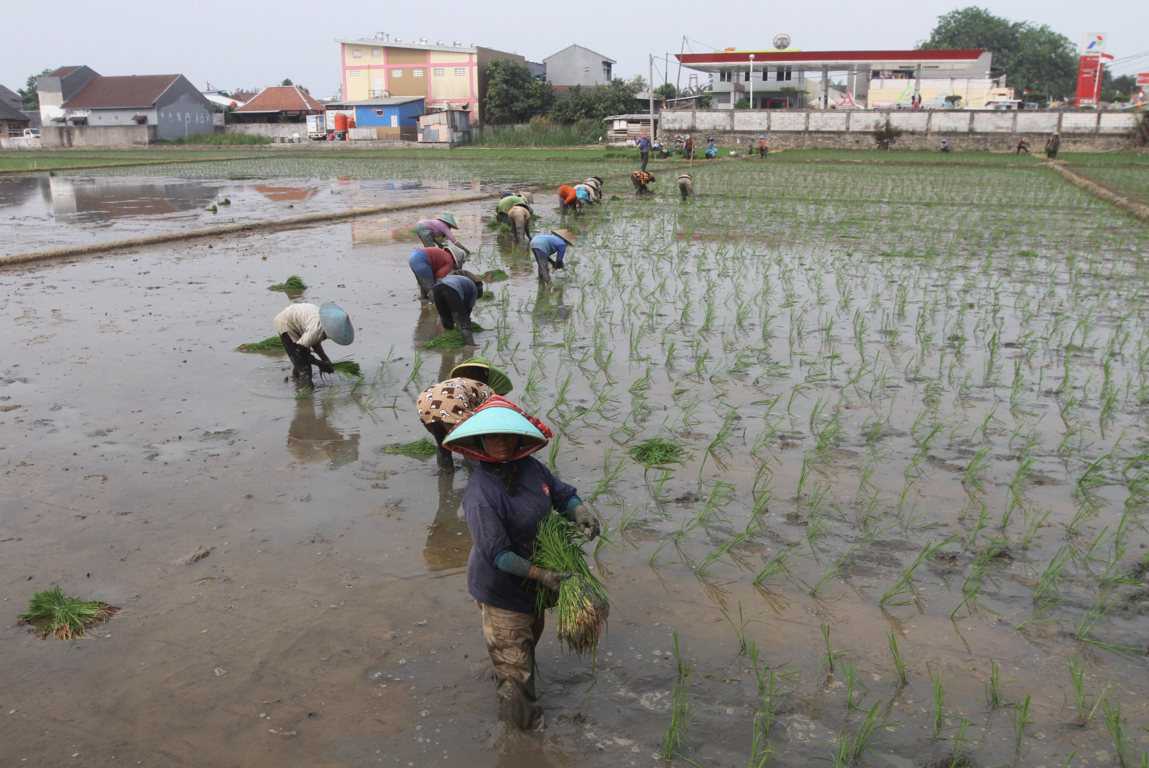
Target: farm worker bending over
568, 198
455, 296
302, 329
584, 194
444, 405
506, 498
506, 204
711, 149
544, 246
1053, 146
431, 264
516, 211
644, 150
641, 180
437, 231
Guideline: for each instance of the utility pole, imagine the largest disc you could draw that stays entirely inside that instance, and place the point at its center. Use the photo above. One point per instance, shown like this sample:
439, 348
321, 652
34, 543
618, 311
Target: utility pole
678, 80
752, 81
650, 92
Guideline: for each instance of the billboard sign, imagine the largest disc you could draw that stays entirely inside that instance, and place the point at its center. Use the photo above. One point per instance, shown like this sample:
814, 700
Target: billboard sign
1088, 80
1143, 79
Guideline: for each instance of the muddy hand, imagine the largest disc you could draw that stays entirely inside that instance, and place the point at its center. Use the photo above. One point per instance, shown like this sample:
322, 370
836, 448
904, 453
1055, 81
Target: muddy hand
587, 521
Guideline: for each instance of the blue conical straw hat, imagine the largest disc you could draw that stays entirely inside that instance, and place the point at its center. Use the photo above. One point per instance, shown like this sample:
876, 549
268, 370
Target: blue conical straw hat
495, 421
336, 324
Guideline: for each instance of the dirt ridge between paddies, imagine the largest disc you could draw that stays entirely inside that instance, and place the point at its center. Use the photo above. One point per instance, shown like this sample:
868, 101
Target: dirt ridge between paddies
117, 165
1138, 210
264, 225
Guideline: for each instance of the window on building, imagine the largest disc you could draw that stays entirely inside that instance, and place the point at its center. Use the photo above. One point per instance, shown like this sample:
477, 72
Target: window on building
379, 113
785, 73
356, 53
460, 71
724, 76
746, 76
396, 73
418, 73
606, 71
440, 71
376, 53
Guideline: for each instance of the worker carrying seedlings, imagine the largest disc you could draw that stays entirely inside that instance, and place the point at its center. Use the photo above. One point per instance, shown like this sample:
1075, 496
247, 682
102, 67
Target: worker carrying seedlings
544, 246
455, 296
685, 185
506, 498
437, 231
444, 405
431, 264
302, 328
568, 198
641, 181
1053, 146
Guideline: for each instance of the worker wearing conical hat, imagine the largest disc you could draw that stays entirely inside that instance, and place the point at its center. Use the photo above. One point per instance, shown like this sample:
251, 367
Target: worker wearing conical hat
507, 497
444, 405
437, 231
431, 264
302, 329
641, 181
546, 246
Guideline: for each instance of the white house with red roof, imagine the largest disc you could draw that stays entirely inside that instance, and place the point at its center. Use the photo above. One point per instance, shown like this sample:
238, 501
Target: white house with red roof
279, 104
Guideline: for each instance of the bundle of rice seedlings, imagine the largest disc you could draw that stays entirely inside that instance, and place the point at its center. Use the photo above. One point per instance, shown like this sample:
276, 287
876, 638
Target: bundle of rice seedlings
658, 452
452, 339
293, 284
348, 368
581, 603
269, 346
54, 614
416, 449
495, 276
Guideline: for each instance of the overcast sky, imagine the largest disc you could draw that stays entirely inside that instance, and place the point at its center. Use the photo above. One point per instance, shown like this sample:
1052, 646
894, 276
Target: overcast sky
251, 43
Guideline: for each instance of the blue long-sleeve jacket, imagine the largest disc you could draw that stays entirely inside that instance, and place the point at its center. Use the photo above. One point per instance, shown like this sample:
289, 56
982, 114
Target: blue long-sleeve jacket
548, 244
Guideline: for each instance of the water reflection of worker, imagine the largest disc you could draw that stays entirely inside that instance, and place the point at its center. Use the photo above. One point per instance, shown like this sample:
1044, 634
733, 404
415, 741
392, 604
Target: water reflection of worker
448, 540
431, 264
311, 437
444, 405
302, 328
506, 498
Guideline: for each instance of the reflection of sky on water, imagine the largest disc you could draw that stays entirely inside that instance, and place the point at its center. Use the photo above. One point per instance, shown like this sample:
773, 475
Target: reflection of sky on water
46, 211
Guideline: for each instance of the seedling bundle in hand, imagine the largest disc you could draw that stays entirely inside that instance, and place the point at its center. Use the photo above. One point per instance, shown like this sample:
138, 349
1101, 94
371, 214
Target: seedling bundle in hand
581, 603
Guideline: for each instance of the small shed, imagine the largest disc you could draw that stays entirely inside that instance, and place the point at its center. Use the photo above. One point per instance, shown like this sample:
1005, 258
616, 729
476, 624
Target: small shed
624, 130
447, 126
389, 119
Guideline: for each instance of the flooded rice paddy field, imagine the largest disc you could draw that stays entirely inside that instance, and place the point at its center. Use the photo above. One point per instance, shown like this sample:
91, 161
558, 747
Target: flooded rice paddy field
912, 403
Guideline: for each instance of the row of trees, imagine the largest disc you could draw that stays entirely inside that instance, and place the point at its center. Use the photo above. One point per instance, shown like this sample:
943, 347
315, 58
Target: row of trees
1036, 60
514, 95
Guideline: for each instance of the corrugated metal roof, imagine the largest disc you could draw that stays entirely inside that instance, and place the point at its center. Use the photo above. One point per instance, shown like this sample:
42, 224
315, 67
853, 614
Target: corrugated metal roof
282, 98
121, 92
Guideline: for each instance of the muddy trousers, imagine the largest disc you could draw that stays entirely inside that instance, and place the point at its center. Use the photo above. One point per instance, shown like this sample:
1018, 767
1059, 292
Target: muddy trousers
511, 638
645, 159
544, 263
452, 311
439, 431
301, 361
424, 275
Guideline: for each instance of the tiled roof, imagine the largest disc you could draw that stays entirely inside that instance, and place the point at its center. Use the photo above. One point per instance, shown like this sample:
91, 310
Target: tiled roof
62, 71
125, 92
10, 114
282, 98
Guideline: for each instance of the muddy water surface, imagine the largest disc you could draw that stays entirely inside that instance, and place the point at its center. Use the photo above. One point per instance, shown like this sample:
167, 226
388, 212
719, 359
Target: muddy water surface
831, 387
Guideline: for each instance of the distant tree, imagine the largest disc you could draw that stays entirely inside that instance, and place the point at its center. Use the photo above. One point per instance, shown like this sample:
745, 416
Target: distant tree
1118, 88
1033, 57
666, 91
596, 103
287, 81
30, 94
513, 94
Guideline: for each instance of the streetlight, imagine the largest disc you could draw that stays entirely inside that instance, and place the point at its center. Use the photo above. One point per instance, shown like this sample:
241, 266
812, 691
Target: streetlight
752, 81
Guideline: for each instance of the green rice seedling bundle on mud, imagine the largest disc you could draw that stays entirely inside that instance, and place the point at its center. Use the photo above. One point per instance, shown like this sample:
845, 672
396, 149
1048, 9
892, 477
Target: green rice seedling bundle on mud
581, 602
55, 614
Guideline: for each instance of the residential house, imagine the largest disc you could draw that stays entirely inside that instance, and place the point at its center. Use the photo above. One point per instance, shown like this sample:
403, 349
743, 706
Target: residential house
169, 105
12, 120
446, 75
11, 98
58, 86
576, 65
278, 104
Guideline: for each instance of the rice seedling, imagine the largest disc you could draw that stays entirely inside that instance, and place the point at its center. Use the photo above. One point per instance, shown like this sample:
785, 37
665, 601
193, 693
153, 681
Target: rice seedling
293, 285
993, 695
423, 448
850, 672
54, 614
348, 368
1046, 592
1115, 724
658, 452
581, 602
269, 346
851, 747
830, 654
1085, 711
1021, 718
679, 707
452, 339
899, 663
903, 591
495, 276
937, 697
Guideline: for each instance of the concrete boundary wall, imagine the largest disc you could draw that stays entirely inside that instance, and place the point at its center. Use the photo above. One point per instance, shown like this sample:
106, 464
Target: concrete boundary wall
270, 130
62, 137
976, 128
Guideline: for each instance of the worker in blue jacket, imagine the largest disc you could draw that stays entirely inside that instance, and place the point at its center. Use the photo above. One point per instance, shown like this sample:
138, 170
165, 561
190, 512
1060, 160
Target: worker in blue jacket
455, 296
507, 496
545, 246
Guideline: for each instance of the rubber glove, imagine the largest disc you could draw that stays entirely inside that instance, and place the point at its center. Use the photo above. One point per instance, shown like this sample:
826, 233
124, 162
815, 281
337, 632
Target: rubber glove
586, 521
